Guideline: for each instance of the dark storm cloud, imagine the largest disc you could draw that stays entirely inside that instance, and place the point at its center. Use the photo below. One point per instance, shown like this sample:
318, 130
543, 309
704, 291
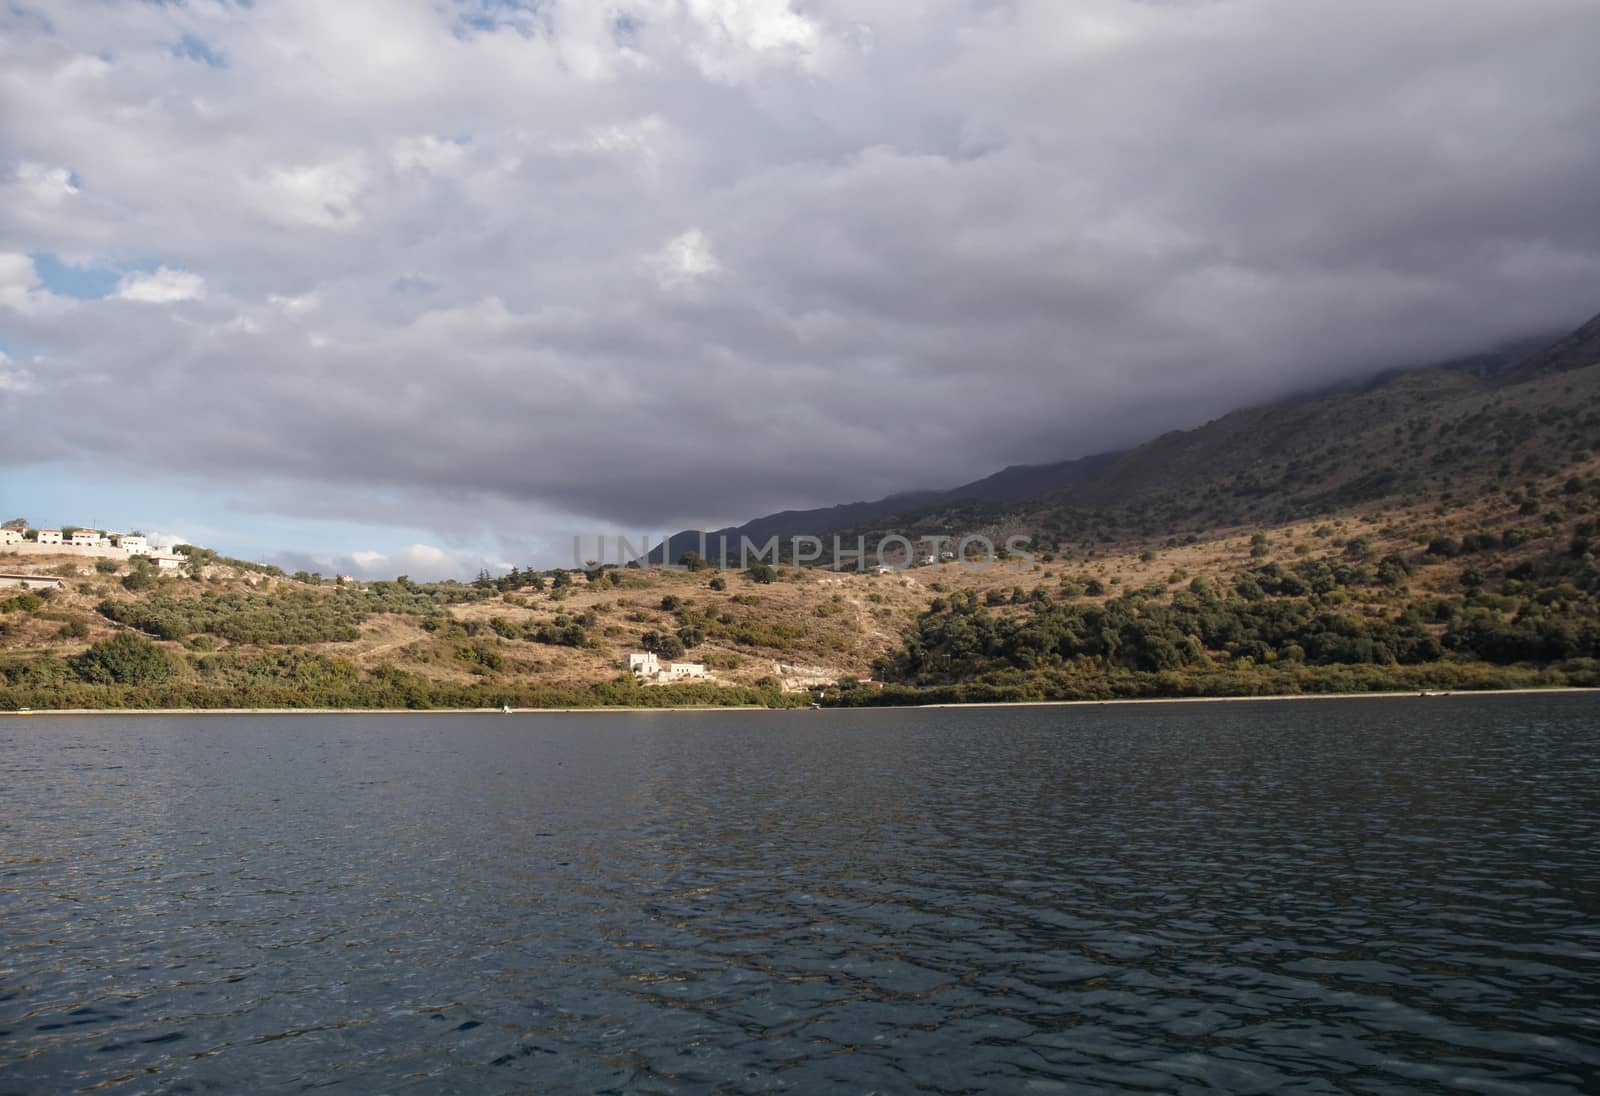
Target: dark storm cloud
757, 255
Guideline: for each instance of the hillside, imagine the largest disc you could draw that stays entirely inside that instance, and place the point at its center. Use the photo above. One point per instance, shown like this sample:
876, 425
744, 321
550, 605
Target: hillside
1498, 591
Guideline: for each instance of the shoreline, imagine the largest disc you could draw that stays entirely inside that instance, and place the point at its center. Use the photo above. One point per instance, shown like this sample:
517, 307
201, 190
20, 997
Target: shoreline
701, 709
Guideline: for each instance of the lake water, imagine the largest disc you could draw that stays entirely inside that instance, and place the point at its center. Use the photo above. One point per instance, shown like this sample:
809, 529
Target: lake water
1310, 897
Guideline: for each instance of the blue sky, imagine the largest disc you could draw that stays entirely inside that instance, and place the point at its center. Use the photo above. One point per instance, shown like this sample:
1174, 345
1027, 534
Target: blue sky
84, 283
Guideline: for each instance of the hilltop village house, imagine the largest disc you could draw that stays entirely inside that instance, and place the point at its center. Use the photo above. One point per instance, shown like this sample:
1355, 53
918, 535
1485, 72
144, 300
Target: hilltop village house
86, 542
647, 667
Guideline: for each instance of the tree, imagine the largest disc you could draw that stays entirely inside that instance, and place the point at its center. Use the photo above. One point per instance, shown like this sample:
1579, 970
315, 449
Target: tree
664, 644
125, 659
763, 573
1393, 571
15, 523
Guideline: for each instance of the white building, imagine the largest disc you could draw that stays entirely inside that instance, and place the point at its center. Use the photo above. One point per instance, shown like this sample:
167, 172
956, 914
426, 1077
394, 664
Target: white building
11, 536
86, 538
49, 536
133, 544
167, 563
648, 667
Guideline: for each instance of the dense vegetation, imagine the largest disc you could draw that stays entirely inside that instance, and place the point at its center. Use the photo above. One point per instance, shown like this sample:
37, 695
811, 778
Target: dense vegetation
285, 616
1312, 626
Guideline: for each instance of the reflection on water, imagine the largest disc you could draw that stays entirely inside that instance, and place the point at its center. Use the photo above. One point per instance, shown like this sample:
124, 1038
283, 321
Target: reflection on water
1316, 897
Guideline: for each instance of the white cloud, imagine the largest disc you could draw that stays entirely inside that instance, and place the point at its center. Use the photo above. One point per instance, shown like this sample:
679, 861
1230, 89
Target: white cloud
323, 195
686, 257
240, 324
295, 305
161, 286
429, 154
423, 562
165, 539
13, 381
738, 37
46, 186
20, 288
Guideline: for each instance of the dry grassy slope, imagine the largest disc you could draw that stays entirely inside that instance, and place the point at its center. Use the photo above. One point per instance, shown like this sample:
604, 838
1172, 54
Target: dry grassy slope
813, 626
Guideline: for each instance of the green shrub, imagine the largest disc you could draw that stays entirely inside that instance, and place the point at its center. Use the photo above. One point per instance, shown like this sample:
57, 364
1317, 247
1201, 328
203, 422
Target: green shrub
125, 659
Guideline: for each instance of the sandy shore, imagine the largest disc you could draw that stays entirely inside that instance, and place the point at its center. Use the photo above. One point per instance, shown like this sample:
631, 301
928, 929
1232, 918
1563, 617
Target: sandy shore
703, 709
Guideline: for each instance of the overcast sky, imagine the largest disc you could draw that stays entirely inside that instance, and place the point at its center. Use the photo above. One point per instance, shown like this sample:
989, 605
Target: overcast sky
409, 285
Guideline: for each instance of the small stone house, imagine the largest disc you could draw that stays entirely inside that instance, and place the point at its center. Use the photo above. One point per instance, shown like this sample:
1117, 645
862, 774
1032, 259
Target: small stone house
644, 664
49, 536
133, 544
86, 538
11, 536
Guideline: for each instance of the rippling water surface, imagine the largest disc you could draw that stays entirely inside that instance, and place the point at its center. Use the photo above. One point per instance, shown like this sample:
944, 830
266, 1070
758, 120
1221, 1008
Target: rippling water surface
1309, 897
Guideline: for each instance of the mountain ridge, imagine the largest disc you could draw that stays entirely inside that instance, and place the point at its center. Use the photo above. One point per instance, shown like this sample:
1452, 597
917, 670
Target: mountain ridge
1119, 476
